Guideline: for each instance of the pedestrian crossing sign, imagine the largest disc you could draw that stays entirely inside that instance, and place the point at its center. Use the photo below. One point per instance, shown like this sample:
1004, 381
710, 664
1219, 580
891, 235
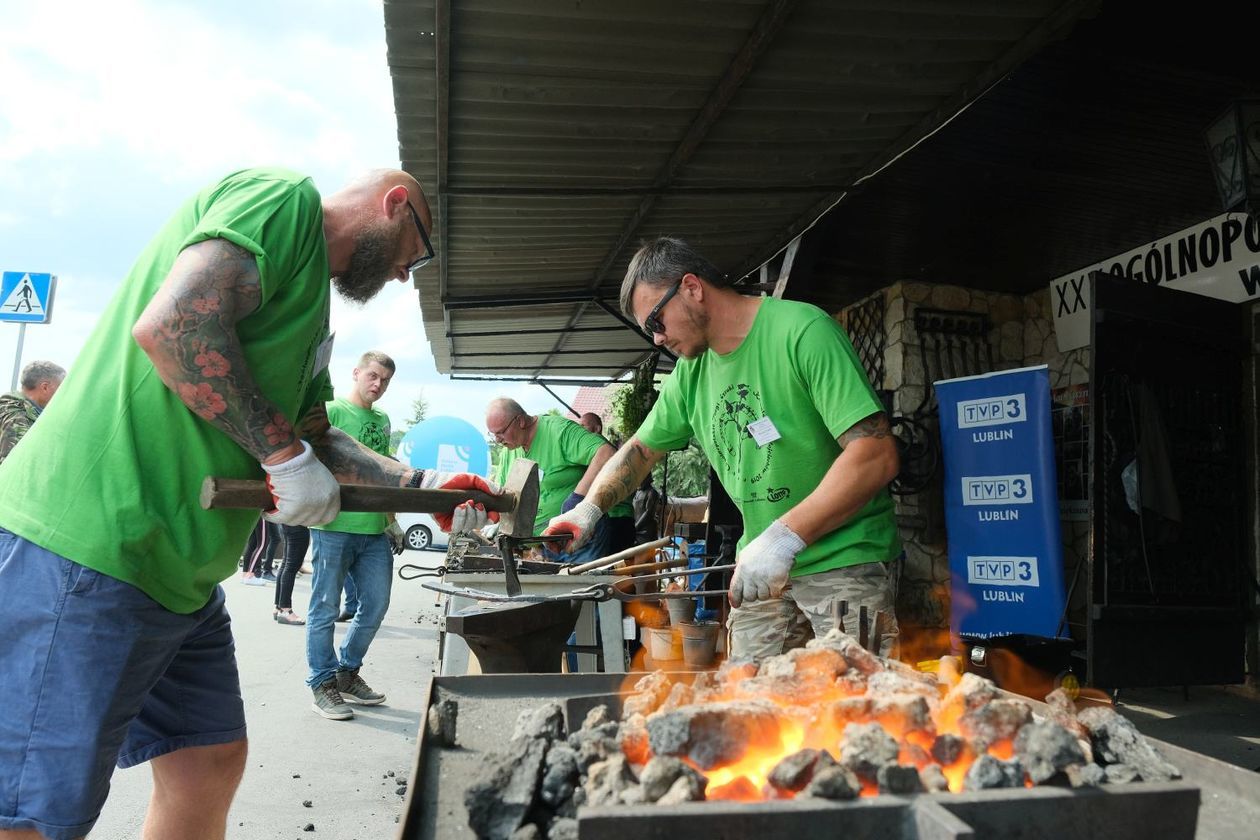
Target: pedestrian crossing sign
26, 297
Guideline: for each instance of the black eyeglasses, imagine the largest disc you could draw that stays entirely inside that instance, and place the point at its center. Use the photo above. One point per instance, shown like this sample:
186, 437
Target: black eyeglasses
429, 253
506, 426
652, 324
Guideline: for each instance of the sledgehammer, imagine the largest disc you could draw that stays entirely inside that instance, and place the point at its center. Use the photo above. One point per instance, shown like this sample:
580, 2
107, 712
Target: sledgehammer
517, 505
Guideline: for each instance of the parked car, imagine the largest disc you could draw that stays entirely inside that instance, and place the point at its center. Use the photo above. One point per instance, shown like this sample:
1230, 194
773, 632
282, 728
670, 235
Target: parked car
422, 532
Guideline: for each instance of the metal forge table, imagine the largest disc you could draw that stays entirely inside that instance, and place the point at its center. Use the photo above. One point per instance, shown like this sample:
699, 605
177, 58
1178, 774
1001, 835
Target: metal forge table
454, 653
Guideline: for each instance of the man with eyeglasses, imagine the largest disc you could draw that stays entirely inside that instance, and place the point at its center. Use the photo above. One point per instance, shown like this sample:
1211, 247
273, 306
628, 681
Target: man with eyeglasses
210, 360
568, 458
777, 399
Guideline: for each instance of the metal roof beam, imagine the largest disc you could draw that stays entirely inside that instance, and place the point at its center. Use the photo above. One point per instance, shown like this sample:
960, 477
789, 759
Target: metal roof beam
442, 93
543, 331
768, 25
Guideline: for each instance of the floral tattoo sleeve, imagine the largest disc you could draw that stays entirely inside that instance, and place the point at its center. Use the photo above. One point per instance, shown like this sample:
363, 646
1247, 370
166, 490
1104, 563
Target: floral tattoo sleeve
189, 331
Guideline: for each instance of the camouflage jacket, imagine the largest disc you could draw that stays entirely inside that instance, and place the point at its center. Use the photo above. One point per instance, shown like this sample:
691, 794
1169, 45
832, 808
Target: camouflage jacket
17, 413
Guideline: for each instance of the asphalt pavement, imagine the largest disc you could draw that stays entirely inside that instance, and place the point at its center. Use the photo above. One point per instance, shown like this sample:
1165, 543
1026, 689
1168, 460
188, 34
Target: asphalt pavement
342, 777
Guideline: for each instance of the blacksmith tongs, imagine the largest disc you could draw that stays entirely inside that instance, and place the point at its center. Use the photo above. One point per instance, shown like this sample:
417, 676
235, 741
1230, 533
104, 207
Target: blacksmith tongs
596, 592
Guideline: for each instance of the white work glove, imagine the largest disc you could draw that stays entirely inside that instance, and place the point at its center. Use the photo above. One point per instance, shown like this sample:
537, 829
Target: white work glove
397, 540
469, 516
580, 522
761, 570
303, 491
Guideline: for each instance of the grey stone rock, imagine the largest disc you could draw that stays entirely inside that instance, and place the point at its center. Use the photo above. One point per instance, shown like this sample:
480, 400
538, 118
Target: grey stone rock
441, 723
1085, 775
560, 774
596, 717
899, 779
713, 734
796, 771
1046, 749
866, 747
497, 804
997, 720
1117, 741
688, 787
1120, 774
607, 779
833, 783
987, 773
933, 779
659, 775
546, 721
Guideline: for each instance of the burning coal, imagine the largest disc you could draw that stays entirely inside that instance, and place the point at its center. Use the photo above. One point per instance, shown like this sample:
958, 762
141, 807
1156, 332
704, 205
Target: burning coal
828, 721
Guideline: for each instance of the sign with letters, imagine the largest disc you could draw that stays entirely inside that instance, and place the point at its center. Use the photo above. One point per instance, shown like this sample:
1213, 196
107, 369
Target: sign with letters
1001, 506
1219, 258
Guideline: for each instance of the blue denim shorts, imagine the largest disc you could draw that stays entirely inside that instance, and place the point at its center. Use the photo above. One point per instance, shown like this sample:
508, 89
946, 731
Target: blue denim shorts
98, 674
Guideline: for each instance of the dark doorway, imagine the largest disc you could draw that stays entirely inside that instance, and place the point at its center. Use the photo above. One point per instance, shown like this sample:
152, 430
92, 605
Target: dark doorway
1167, 570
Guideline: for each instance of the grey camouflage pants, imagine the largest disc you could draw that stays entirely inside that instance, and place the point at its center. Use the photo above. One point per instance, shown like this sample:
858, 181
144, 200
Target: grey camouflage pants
767, 628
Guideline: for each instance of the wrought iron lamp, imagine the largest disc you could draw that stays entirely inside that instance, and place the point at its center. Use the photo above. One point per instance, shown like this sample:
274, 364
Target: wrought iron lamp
1233, 141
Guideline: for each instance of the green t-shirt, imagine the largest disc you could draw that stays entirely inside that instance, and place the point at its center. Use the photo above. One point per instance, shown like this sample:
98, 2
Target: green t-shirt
563, 450
797, 367
111, 474
369, 427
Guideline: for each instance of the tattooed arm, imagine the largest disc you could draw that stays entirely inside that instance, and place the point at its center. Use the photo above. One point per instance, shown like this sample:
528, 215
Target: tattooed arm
188, 330
623, 473
867, 461
346, 458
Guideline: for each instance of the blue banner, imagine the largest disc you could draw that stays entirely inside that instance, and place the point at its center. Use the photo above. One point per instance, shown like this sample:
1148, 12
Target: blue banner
1001, 506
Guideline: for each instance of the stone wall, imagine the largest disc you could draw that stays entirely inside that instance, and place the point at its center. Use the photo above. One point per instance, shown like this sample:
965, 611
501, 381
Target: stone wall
1021, 333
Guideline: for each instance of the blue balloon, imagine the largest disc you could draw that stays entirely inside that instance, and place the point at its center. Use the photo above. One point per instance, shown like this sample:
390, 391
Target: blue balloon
446, 444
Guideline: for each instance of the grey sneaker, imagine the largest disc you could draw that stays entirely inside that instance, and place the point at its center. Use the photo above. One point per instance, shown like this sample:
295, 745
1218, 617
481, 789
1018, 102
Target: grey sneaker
352, 686
329, 703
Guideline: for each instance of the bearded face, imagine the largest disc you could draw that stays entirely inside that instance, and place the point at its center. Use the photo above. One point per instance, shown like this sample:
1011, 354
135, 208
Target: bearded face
373, 262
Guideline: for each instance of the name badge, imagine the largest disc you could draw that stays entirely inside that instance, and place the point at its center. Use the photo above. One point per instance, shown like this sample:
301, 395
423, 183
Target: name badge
323, 355
763, 431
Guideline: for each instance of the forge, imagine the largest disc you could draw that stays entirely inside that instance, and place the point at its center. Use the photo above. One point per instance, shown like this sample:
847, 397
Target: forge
1210, 800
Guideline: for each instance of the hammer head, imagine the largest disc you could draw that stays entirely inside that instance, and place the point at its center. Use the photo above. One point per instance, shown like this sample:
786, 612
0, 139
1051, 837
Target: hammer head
522, 481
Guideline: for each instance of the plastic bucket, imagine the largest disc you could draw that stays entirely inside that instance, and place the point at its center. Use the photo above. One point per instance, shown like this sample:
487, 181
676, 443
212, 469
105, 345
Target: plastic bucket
681, 610
664, 643
699, 643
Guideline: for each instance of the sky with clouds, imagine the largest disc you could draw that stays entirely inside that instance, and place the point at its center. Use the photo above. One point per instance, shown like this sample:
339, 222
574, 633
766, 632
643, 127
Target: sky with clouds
113, 113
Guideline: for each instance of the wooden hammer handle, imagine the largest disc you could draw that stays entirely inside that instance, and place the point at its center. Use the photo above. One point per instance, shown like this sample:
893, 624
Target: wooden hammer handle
218, 493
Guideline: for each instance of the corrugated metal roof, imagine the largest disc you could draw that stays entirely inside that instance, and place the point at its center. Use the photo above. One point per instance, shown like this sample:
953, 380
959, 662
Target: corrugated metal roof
552, 136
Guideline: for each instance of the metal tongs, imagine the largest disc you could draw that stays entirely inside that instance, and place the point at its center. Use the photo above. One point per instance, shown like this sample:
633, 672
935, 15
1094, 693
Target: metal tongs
598, 592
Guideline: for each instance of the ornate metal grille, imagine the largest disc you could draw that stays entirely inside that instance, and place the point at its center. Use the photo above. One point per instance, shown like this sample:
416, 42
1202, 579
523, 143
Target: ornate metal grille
865, 324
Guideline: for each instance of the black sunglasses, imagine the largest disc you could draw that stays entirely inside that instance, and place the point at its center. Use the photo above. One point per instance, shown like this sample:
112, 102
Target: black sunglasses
652, 324
429, 253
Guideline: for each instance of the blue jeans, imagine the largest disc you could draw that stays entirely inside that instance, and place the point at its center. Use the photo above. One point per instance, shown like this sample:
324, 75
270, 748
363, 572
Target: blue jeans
368, 560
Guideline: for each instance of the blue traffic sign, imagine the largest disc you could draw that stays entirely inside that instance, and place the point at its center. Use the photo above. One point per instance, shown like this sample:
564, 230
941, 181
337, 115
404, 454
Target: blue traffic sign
26, 297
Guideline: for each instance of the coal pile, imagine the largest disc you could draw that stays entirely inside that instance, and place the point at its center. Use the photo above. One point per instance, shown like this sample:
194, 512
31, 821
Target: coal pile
830, 721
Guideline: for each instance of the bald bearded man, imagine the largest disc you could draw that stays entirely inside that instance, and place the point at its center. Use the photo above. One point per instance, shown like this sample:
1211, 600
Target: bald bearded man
210, 360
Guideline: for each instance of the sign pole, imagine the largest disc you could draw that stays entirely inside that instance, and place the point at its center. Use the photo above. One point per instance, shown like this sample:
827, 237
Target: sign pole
17, 356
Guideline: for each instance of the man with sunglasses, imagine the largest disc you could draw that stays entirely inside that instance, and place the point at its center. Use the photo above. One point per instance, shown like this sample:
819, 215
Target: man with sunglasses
210, 360
568, 458
777, 399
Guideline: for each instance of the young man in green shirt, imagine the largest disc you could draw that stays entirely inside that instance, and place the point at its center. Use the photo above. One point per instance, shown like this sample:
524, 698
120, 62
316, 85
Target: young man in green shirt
358, 548
774, 394
568, 458
210, 360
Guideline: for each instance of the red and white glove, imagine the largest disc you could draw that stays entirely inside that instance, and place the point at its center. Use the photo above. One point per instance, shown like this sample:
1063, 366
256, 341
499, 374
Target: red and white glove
580, 521
469, 516
762, 568
303, 491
